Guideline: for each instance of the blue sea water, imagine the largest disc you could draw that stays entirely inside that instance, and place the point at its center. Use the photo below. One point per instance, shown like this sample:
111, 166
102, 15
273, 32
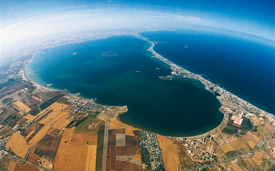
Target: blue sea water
179, 107
242, 66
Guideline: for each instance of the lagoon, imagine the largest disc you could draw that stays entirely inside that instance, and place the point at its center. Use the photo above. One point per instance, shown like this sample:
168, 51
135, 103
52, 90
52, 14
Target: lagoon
180, 107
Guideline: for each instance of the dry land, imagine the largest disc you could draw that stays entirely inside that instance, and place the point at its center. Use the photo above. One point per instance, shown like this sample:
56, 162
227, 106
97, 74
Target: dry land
48, 146
30, 134
62, 149
36, 98
169, 154
18, 145
68, 134
226, 148
76, 151
91, 158
123, 151
22, 106
49, 119
29, 117
116, 124
12, 165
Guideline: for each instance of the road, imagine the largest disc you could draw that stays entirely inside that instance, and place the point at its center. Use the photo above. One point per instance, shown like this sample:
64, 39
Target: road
232, 158
23, 160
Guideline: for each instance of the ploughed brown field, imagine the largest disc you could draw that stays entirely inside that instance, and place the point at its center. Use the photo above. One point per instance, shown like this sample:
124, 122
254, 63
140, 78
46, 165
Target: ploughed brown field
123, 151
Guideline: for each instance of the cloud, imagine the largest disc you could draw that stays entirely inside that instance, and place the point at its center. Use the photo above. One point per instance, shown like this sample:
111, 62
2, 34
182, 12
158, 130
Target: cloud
112, 18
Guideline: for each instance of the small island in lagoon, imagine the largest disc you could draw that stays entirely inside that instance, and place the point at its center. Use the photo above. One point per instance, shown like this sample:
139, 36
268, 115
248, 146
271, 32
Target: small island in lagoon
109, 54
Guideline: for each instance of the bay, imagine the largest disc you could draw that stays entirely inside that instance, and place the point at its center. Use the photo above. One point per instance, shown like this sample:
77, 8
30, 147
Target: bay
179, 107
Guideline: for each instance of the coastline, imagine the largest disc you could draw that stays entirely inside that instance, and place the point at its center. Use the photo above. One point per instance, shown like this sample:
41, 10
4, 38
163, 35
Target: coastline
38, 86
243, 105
215, 147
179, 71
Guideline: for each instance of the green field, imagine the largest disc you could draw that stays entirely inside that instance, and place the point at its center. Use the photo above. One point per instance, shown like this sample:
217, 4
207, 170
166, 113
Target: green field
230, 130
82, 125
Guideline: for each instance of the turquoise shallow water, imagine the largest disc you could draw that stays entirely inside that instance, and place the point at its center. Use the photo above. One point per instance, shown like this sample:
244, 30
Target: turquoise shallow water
180, 107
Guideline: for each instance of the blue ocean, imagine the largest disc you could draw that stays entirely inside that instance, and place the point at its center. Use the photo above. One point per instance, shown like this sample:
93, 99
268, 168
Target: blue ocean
180, 107
242, 66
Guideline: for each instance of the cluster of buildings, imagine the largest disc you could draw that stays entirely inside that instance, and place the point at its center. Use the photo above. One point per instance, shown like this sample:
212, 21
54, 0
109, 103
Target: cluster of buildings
150, 152
3, 142
3, 154
84, 105
201, 150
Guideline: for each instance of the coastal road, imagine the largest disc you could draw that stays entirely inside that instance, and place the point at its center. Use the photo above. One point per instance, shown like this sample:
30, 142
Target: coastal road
232, 158
105, 145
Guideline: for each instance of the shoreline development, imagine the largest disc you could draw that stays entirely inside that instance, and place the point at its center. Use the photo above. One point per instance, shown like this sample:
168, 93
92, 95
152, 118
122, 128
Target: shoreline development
88, 134
177, 71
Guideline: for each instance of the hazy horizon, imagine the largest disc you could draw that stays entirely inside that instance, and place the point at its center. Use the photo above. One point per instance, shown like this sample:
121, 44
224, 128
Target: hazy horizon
28, 19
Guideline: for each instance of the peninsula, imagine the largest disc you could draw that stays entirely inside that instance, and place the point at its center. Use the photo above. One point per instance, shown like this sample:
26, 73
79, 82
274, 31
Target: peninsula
224, 95
237, 143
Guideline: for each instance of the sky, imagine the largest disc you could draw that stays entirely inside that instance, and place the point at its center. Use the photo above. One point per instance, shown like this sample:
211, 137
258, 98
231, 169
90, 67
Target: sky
21, 20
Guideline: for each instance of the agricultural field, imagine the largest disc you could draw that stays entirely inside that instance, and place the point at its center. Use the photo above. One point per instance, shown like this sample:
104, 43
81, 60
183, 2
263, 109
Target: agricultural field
5, 131
235, 167
100, 139
264, 131
11, 87
184, 157
56, 109
88, 125
91, 158
257, 121
78, 148
245, 142
62, 122
50, 101
55, 114
123, 151
251, 139
29, 117
37, 99
258, 157
30, 134
226, 148
29, 130
72, 133
33, 158
18, 145
47, 147
62, 149
22, 106
13, 166
116, 124
25, 167
240, 144
169, 153
7, 113
75, 151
